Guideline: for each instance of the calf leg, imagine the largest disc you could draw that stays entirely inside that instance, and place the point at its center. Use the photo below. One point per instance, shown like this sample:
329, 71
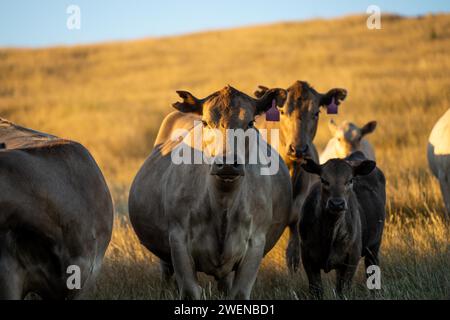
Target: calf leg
293, 248
344, 277
248, 269
166, 270
314, 278
11, 279
183, 265
315, 283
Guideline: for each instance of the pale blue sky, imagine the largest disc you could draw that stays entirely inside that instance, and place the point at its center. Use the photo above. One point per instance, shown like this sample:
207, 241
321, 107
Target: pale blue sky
25, 23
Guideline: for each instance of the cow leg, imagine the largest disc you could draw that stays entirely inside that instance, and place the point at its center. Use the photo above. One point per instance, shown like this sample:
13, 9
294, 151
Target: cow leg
248, 269
166, 270
225, 284
293, 248
183, 265
444, 182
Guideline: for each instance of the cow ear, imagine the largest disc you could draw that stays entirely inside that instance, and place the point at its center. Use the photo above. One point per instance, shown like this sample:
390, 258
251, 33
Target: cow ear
190, 103
260, 91
332, 126
364, 168
312, 167
337, 93
369, 127
264, 103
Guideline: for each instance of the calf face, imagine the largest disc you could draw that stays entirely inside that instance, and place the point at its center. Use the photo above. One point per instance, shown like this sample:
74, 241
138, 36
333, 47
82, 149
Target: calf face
336, 177
223, 113
348, 136
300, 115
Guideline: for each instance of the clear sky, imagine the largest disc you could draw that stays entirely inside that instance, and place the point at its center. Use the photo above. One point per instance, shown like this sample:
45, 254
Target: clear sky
39, 23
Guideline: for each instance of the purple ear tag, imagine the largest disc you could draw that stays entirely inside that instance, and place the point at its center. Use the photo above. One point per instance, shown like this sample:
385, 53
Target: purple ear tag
273, 114
332, 108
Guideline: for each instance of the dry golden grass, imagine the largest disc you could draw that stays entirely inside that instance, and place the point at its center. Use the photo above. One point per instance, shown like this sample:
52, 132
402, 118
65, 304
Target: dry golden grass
415, 262
112, 98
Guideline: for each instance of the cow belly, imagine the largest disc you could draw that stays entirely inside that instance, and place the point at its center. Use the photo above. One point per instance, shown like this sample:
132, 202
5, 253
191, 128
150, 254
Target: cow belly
153, 235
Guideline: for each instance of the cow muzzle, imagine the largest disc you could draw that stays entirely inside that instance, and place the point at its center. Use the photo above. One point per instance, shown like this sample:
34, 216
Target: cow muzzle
297, 153
227, 172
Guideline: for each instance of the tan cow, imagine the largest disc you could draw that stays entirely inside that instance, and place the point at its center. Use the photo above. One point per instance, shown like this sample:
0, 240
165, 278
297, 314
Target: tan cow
439, 156
56, 215
298, 126
348, 138
220, 218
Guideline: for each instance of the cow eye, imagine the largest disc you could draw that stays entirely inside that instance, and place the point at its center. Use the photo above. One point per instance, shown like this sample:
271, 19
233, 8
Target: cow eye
205, 124
324, 182
349, 182
251, 124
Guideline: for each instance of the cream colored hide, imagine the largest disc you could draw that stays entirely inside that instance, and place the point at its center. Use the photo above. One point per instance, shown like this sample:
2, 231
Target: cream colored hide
438, 154
348, 138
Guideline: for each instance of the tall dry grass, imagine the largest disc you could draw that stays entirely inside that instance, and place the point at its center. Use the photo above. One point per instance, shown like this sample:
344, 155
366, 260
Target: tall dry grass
112, 98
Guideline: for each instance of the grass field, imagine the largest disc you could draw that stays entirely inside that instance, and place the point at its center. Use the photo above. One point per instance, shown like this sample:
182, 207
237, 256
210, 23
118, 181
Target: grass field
112, 98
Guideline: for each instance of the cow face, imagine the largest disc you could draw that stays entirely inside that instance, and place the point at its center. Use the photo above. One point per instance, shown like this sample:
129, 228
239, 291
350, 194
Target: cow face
300, 115
226, 114
348, 136
336, 177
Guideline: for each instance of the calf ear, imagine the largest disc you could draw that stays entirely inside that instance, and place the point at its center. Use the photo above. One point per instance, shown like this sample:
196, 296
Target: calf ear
264, 103
312, 167
364, 168
190, 103
369, 127
337, 93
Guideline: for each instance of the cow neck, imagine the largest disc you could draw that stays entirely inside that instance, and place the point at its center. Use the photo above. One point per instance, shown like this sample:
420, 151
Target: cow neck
299, 178
225, 199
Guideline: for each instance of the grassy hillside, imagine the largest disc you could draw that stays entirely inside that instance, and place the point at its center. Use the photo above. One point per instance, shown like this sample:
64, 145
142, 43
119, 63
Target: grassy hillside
112, 98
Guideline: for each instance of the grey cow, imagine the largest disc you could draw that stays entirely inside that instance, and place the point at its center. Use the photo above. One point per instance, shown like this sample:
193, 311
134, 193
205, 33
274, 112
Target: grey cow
216, 218
56, 215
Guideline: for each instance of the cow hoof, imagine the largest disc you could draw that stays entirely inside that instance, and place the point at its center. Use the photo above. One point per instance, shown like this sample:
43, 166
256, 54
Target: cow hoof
191, 293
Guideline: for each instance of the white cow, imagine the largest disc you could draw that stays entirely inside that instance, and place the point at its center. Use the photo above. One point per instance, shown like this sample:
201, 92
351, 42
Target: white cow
438, 154
348, 138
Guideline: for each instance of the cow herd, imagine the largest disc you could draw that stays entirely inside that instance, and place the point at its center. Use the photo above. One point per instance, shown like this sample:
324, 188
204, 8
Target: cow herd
219, 216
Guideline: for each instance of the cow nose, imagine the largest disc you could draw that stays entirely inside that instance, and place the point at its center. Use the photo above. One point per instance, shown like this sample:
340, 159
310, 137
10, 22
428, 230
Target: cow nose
336, 204
227, 170
297, 152
304, 150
